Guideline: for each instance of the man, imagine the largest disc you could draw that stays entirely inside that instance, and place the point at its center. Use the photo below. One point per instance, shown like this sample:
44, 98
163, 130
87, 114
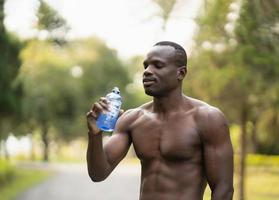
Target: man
182, 143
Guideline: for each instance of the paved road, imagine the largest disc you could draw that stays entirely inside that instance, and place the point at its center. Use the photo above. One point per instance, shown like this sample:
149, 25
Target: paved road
73, 183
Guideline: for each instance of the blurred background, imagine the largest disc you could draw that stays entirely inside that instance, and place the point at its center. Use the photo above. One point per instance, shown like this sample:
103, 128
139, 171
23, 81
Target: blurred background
59, 56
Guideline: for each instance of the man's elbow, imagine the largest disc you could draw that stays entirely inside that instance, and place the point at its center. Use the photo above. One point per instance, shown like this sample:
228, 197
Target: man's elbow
96, 178
229, 193
224, 193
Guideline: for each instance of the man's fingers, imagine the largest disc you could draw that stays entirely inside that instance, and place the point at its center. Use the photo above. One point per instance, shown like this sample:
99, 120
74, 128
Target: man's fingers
97, 107
95, 111
88, 114
103, 102
91, 114
104, 105
103, 99
121, 112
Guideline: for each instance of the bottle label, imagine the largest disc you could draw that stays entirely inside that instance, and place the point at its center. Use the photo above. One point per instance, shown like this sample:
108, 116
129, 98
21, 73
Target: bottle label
106, 122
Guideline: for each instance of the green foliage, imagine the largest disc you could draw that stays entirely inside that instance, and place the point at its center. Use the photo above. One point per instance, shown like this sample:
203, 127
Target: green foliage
50, 90
237, 69
102, 70
262, 160
11, 93
48, 18
2, 15
268, 127
258, 50
215, 14
257, 31
235, 66
52, 22
7, 173
54, 96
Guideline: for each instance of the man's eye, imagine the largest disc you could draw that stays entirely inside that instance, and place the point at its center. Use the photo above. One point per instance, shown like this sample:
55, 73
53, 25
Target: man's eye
145, 65
159, 65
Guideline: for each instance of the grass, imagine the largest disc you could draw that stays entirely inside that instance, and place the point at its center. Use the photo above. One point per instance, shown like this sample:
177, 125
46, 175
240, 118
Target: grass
23, 179
262, 183
7, 172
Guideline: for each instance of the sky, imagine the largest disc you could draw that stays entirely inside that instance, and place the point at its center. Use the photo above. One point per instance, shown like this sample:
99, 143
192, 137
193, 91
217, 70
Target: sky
129, 26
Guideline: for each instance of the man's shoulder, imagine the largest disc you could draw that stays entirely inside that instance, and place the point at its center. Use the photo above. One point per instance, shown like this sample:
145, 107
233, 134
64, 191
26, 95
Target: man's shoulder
210, 120
207, 115
136, 112
130, 116
204, 110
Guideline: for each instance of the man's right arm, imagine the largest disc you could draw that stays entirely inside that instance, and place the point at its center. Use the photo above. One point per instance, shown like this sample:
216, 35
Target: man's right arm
101, 160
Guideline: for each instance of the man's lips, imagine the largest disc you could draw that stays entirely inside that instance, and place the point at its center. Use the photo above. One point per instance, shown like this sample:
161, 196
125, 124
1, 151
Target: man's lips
148, 81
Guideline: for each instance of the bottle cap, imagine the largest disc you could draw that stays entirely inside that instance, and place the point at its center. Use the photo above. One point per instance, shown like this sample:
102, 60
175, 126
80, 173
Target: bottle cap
116, 90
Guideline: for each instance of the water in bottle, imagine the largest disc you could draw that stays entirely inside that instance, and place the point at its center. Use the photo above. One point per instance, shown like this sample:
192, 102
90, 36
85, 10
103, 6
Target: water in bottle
106, 121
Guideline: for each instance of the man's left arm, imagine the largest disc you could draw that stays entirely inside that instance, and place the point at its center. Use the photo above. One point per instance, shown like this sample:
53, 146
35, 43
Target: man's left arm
218, 154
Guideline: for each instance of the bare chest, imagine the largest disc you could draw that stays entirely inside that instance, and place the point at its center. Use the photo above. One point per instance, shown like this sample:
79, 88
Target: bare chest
175, 138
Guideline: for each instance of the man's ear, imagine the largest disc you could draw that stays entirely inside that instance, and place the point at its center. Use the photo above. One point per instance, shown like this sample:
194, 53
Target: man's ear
181, 73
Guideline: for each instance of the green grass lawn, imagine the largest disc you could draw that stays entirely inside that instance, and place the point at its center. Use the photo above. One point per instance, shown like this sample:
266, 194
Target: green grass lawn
262, 183
23, 179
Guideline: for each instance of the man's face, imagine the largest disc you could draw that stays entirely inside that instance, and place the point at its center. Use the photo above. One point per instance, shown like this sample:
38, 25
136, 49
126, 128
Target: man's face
160, 74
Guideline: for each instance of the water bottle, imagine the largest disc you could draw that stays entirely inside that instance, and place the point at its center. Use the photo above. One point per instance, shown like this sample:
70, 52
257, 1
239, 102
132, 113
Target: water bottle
106, 121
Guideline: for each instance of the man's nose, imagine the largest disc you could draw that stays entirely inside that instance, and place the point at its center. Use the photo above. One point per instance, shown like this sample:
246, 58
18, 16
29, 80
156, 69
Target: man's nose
147, 71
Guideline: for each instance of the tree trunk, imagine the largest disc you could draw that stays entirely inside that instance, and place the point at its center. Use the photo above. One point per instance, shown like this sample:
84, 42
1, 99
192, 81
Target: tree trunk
254, 139
46, 142
32, 150
6, 152
242, 164
1, 148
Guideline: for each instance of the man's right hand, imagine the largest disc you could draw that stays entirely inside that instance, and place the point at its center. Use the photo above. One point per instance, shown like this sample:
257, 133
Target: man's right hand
98, 107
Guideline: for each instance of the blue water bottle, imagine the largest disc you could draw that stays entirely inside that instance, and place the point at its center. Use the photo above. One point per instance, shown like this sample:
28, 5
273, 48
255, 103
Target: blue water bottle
106, 121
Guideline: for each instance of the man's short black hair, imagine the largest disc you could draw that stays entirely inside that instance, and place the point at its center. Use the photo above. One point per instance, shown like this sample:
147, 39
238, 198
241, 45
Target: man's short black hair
180, 53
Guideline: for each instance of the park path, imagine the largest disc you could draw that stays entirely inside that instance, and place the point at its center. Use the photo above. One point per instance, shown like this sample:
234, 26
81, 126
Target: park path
71, 182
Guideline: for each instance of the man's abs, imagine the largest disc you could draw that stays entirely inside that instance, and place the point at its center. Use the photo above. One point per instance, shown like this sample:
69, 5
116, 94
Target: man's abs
163, 179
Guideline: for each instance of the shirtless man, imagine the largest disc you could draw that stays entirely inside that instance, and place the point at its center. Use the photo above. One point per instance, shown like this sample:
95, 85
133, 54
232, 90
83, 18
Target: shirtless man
182, 143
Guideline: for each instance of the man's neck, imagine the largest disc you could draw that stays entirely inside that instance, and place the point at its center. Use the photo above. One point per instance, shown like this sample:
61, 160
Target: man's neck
168, 103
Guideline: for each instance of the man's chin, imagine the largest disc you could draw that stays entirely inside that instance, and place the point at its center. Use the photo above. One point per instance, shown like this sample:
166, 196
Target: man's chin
152, 93
148, 92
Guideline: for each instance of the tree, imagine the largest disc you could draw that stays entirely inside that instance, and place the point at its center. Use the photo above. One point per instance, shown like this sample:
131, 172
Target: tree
234, 64
51, 23
56, 95
10, 98
166, 7
258, 33
36, 106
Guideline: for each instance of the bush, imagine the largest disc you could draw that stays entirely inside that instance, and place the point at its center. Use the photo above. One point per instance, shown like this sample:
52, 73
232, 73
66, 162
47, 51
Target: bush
262, 160
7, 172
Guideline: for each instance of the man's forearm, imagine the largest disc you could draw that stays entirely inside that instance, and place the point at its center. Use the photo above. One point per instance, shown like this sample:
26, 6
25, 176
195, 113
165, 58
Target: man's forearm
97, 164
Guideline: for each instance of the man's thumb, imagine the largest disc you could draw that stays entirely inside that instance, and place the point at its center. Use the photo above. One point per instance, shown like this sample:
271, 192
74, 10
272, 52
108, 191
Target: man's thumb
121, 112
